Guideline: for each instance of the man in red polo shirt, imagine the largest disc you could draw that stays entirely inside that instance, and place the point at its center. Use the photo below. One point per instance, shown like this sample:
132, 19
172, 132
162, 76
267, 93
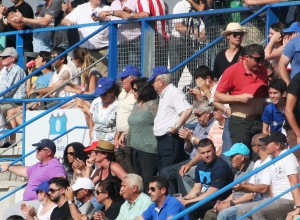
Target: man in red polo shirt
244, 86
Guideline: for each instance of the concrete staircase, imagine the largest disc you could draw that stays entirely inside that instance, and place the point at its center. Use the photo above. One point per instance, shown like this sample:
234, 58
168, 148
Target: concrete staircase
10, 181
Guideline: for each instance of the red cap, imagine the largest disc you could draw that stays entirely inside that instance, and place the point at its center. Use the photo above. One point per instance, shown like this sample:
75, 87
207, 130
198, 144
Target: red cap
91, 147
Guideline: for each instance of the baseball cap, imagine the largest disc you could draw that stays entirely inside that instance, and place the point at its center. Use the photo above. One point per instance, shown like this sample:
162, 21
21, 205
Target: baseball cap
9, 51
83, 183
43, 186
91, 147
238, 148
293, 28
275, 136
130, 70
105, 146
46, 143
104, 84
158, 70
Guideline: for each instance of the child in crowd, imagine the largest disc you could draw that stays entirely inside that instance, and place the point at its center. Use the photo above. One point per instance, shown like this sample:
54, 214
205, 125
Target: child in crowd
273, 115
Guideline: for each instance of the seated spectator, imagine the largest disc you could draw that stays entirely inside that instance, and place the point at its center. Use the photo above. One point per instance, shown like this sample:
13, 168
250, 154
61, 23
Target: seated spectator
89, 77
43, 81
45, 209
211, 174
83, 190
253, 189
164, 206
141, 119
273, 116
275, 46
57, 190
47, 168
97, 45
136, 202
108, 194
74, 157
203, 115
12, 73
101, 114
284, 175
107, 168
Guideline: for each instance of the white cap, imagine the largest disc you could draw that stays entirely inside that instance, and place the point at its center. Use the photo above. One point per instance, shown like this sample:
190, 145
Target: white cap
83, 183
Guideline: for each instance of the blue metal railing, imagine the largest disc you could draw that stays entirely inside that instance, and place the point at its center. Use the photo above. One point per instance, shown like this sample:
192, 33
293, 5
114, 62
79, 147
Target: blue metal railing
229, 186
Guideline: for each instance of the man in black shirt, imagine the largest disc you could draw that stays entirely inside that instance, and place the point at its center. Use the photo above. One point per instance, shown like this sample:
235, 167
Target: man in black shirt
58, 186
7, 24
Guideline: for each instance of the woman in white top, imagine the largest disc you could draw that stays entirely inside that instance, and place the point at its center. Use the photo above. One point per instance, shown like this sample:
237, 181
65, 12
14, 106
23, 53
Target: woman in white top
45, 209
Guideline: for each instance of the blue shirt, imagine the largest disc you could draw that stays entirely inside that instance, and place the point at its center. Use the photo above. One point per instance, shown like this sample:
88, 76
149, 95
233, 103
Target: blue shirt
292, 51
170, 207
273, 117
43, 81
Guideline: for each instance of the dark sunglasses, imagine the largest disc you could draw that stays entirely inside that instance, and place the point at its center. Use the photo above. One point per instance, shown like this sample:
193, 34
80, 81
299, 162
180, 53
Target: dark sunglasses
99, 192
42, 148
53, 190
198, 115
252, 145
135, 89
257, 59
71, 153
152, 188
235, 34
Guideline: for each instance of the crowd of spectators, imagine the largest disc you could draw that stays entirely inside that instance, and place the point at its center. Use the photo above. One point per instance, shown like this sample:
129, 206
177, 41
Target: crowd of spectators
142, 136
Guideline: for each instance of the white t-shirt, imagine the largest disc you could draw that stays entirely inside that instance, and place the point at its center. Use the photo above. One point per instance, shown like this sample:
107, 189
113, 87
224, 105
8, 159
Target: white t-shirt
279, 173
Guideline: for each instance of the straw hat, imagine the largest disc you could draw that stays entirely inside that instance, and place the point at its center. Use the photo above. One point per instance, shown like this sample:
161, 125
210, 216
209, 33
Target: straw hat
233, 27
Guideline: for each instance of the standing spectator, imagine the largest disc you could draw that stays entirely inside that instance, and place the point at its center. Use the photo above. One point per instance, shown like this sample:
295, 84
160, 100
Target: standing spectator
141, 122
273, 116
98, 44
8, 24
146, 8
74, 155
58, 187
290, 54
164, 206
284, 175
125, 106
244, 86
46, 207
108, 194
275, 46
136, 201
51, 14
292, 114
83, 190
82, 60
185, 38
101, 114
12, 73
129, 40
173, 112
234, 33
47, 168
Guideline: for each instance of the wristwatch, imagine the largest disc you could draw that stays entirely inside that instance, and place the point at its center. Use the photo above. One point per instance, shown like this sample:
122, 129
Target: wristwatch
296, 206
70, 202
231, 203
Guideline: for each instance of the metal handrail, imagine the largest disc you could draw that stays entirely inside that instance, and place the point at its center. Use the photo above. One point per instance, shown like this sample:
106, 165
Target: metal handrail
239, 180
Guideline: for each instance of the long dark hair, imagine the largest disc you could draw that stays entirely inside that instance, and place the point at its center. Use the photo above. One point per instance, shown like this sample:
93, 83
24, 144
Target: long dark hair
78, 153
111, 188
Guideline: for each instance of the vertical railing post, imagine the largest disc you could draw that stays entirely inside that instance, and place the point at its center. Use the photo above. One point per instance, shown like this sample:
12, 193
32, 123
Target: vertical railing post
23, 133
113, 51
147, 48
271, 18
20, 49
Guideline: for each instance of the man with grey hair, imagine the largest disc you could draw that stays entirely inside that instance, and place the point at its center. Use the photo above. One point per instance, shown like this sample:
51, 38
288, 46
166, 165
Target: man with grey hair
203, 114
173, 111
9, 77
136, 201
